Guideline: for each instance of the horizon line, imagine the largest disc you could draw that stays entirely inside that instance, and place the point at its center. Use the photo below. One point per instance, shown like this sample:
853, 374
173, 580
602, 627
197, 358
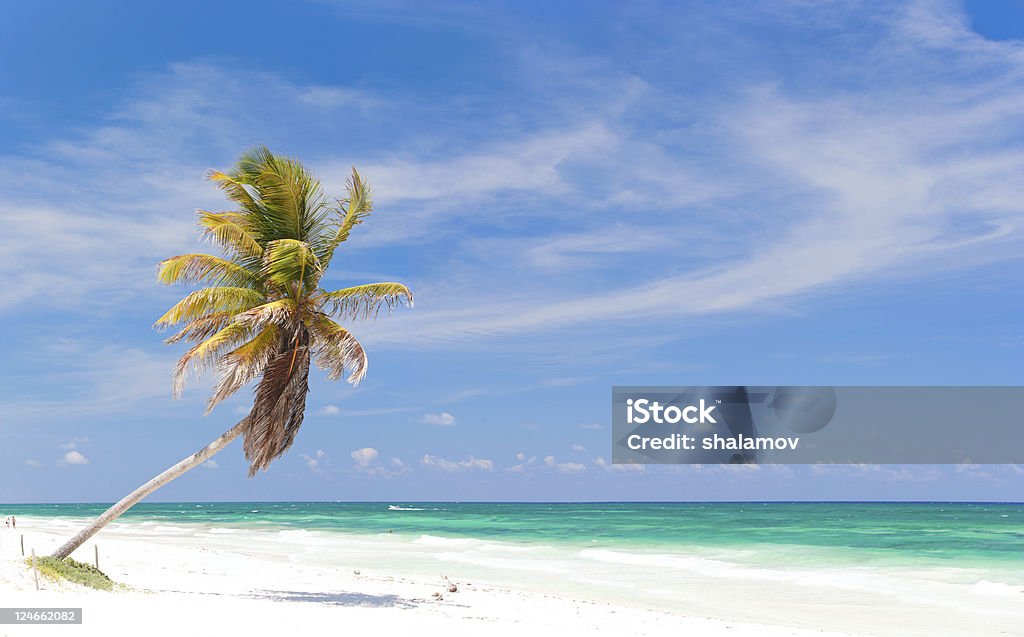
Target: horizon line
396, 501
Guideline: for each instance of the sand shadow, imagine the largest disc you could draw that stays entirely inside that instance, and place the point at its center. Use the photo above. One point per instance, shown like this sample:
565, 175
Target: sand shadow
336, 599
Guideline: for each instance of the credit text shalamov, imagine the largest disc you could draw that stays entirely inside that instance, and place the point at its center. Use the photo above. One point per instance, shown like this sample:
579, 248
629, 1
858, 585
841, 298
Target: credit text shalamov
643, 411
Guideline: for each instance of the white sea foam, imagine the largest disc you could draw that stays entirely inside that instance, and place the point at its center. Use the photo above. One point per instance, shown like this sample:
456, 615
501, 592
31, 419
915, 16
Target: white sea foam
985, 587
504, 547
851, 579
434, 540
504, 563
700, 565
156, 529
297, 535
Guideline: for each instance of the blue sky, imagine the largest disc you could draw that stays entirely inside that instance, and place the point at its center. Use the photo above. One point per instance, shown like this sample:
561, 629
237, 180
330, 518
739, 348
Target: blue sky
581, 194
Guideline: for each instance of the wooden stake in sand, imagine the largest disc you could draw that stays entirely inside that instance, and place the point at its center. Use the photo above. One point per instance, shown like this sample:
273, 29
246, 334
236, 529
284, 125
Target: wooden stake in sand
23, 546
35, 572
97, 547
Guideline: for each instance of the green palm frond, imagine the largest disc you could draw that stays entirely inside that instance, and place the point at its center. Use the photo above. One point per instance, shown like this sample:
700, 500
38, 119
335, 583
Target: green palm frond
235, 189
290, 203
357, 206
205, 268
291, 266
364, 301
336, 350
216, 300
230, 231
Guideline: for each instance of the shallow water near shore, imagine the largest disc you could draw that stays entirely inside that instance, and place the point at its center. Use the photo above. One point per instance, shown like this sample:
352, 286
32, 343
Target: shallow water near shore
955, 534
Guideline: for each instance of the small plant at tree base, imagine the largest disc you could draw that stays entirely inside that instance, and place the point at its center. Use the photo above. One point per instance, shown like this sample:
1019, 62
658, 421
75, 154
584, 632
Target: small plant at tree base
73, 571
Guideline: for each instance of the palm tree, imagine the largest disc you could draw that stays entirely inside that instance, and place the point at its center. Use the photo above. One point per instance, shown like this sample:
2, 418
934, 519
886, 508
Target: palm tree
263, 313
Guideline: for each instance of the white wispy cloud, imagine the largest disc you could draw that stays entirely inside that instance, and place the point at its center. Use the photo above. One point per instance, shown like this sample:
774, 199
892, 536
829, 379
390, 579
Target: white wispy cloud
586, 249
779, 194
96, 377
563, 467
333, 97
528, 164
74, 458
828, 188
601, 463
316, 461
74, 190
524, 464
471, 463
365, 455
366, 463
444, 419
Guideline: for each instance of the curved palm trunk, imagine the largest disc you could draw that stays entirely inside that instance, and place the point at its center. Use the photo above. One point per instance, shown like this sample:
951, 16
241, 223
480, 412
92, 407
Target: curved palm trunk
133, 498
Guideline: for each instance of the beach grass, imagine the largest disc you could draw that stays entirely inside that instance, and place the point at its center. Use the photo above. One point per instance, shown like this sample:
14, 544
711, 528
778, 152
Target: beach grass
73, 571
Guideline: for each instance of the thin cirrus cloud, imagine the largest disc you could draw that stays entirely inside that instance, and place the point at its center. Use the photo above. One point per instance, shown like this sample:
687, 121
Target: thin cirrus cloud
72, 189
874, 185
880, 181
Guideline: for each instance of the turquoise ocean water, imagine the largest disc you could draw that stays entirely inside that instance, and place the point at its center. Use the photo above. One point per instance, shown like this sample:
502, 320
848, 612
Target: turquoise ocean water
937, 534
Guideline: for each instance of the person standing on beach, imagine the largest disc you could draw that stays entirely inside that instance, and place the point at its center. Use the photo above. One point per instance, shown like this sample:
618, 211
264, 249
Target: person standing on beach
14, 523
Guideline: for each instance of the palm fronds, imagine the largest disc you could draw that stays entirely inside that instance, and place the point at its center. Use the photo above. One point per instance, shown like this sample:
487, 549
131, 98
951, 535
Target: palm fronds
336, 350
364, 301
202, 355
229, 230
263, 315
205, 268
243, 364
281, 312
279, 408
215, 300
290, 266
235, 189
357, 206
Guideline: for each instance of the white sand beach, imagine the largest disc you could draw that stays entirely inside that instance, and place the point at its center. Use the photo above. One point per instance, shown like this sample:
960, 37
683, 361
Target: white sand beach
229, 581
